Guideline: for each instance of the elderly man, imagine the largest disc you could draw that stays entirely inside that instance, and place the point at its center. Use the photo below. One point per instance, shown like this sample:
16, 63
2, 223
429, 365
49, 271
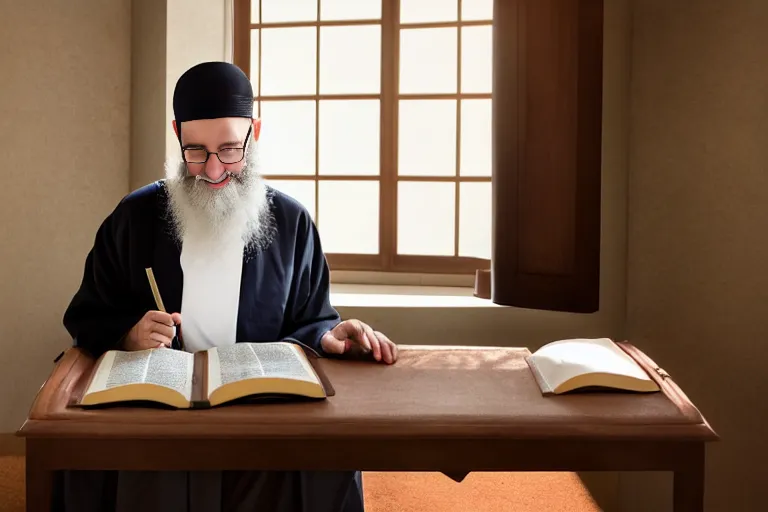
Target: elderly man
234, 260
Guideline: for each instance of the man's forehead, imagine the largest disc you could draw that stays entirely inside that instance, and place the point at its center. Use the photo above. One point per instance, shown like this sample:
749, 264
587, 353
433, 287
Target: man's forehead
225, 128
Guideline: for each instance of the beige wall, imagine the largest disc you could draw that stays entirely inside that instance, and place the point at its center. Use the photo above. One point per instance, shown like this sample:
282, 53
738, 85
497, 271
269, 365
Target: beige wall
148, 64
694, 143
64, 141
168, 37
698, 237
504, 326
197, 31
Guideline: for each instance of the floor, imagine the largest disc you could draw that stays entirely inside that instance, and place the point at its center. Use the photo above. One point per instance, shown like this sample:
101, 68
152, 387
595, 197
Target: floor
414, 492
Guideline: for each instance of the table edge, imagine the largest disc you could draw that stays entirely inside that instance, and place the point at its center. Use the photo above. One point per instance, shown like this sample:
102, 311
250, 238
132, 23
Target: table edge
38, 429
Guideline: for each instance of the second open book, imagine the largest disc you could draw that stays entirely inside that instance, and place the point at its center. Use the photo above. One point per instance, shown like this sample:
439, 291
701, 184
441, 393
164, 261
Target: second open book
204, 379
587, 364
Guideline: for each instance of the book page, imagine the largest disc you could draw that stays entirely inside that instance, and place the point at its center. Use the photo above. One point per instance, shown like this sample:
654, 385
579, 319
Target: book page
241, 361
562, 360
163, 367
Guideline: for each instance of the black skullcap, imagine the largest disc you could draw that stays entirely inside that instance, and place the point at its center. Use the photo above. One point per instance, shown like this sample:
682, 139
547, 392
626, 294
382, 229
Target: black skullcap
211, 90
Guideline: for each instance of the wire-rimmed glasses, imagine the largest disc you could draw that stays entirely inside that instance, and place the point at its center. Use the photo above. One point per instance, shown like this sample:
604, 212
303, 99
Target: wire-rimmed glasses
228, 156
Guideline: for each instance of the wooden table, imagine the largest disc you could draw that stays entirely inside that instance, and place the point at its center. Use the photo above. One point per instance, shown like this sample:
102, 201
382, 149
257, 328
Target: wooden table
448, 409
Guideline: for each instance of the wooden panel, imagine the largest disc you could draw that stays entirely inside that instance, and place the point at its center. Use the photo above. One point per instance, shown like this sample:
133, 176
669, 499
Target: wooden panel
390, 73
549, 94
547, 154
11, 445
242, 36
382, 454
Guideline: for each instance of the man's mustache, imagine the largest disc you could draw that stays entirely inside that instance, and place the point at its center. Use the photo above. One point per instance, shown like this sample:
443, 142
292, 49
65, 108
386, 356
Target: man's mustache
204, 177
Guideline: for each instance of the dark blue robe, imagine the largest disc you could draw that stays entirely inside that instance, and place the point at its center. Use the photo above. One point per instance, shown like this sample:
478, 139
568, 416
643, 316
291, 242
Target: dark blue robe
284, 291
284, 294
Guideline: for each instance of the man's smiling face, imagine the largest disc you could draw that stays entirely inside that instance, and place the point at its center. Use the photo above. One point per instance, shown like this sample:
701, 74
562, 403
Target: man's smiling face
211, 196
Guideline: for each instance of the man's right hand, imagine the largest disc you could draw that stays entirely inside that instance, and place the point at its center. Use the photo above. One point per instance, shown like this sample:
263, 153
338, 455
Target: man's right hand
154, 330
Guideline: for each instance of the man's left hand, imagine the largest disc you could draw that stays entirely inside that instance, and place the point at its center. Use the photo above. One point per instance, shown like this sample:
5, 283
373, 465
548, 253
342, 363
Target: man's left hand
353, 335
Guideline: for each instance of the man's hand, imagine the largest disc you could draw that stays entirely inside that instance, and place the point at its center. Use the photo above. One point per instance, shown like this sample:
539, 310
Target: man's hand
352, 335
154, 330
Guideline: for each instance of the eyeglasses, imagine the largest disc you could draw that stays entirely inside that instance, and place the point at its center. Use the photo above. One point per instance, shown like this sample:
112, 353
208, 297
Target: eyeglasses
226, 156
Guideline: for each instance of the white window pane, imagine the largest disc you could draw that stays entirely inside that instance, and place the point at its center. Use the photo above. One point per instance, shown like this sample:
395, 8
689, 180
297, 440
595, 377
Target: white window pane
287, 141
425, 218
476, 138
349, 137
302, 191
427, 138
350, 60
417, 11
288, 58
350, 9
477, 59
274, 11
477, 9
254, 11
349, 217
428, 60
475, 220
255, 61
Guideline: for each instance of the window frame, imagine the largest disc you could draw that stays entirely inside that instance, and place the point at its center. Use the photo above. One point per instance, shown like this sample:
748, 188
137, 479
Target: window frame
387, 260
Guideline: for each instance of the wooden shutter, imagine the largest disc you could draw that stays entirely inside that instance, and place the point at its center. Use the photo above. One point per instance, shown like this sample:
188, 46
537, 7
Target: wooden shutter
547, 108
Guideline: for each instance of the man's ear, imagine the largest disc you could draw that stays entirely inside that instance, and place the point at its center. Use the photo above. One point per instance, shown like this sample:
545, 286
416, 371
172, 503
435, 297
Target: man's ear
175, 128
256, 128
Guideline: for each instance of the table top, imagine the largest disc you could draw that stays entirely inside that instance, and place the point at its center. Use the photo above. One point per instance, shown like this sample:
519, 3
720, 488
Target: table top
430, 392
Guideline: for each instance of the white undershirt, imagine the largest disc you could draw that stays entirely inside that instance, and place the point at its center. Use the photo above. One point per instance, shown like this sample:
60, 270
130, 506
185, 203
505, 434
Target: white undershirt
211, 291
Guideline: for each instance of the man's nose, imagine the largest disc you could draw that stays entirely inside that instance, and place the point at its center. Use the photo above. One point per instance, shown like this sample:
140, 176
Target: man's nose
214, 168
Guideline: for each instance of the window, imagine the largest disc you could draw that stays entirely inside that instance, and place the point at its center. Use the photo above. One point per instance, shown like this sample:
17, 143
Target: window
376, 115
385, 135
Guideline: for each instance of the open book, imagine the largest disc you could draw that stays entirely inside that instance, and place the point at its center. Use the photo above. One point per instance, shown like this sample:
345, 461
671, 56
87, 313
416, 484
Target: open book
204, 379
580, 364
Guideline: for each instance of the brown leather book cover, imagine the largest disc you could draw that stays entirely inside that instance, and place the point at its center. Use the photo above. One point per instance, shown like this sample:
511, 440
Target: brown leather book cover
324, 380
78, 391
200, 381
668, 386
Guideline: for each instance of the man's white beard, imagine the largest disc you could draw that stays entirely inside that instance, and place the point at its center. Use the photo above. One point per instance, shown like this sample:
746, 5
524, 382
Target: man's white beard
239, 209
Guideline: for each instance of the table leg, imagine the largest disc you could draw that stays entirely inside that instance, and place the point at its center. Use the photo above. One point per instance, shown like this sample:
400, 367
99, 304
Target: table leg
39, 480
688, 486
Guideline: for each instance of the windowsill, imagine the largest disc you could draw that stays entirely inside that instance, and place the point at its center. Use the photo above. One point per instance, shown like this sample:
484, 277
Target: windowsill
404, 296
401, 279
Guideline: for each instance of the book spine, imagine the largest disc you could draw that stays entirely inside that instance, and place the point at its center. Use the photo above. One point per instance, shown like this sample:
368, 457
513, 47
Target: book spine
200, 378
